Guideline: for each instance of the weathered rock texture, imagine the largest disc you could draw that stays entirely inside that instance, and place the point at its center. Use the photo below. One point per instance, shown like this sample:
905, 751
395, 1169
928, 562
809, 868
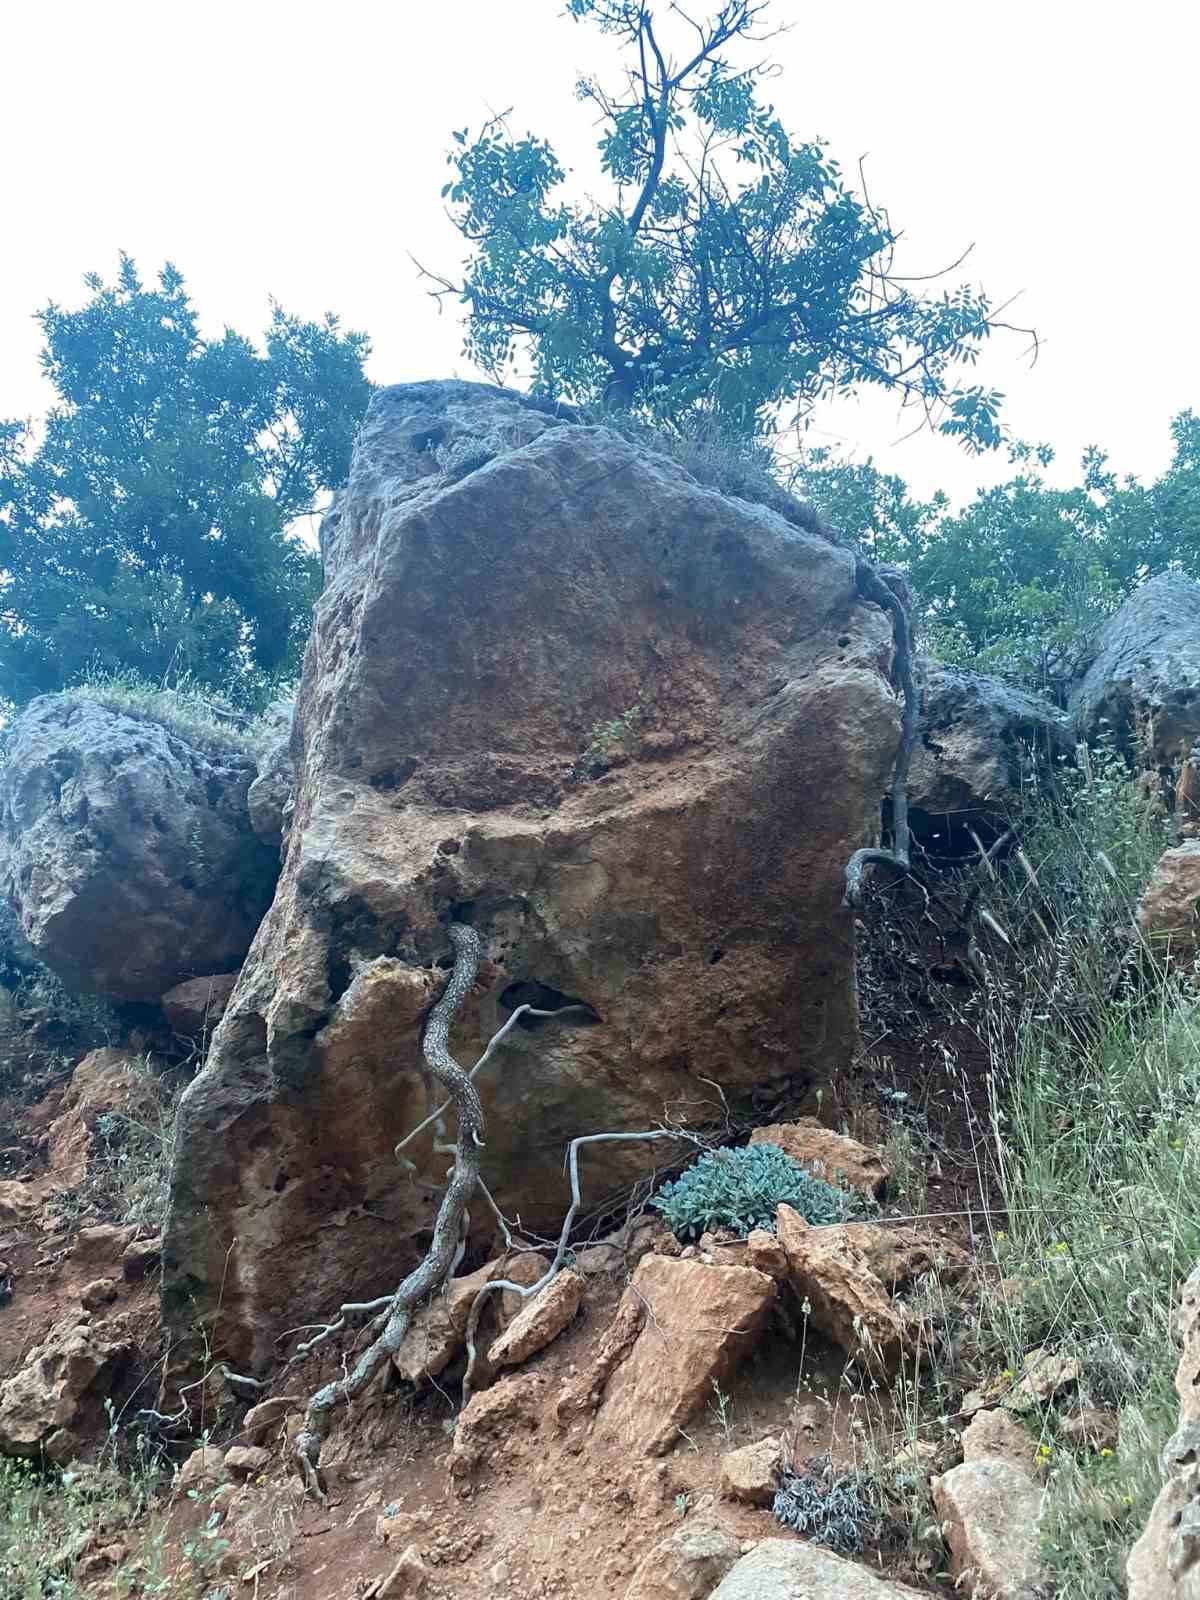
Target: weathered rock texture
60, 1385
194, 1008
1144, 682
834, 1156
686, 1565
697, 1323
979, 743
991, 1516
127, 853
1165, 1562
269, 797
1168, 913
629, 729
789, 1569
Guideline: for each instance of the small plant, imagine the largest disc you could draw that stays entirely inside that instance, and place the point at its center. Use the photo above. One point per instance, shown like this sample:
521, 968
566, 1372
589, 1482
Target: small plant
607, 737
742, 1190
827, 1508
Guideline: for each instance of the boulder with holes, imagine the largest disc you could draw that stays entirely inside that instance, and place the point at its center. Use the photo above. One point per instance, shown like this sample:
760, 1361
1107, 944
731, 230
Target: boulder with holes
629, 729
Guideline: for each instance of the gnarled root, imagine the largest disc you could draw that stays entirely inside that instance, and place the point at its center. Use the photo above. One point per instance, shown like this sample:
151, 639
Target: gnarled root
448, 1230
872, 587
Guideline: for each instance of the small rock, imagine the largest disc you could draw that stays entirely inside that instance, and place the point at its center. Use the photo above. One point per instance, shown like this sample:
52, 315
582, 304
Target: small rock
247, 1460
139, 1257
266, 1414
103, 1245
203, 1468
541, 1320
61, 1446
224, 1496
17, 1202
1045, 1374
1091, 1429
830, 1155
408, 1576
100, 1560
845, 1300
998, 1436
765, 1254
685, 1565
100, 1292
392, 1525
751, 1474
919, 1456
525, 1269
990, 1513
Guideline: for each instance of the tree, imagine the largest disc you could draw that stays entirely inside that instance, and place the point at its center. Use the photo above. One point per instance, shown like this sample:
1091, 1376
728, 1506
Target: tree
151, 527
1017, 581
728, 271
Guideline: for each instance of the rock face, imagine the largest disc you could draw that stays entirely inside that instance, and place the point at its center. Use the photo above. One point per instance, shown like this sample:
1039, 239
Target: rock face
978, 739
1144, 681
788, 1569
1168, 913
269, 797
127, 852
1165, 1562
631, 730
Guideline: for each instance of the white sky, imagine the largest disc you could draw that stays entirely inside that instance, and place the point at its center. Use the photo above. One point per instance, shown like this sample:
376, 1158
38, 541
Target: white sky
297, 149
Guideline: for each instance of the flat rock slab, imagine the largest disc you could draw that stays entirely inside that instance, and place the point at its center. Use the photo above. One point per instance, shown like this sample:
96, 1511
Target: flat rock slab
697, 1324
787, 1569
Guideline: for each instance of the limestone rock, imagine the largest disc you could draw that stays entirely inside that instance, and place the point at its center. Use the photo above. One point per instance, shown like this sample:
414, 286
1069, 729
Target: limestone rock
109, 1080
1092, 1428
765, 1253
1165, 1562
492, 1423
203, 1468
269, 798
991, 1513
898, 1254
139, 1257
830, 1155
194, 1008
846, 1301
697, 1322
439, 1328
789, 1569
978, 739
59, 1385
18, 1202
126, 851
685, 1565
247, 1460
100, 1292
1168, 913
1144, 680
540, 1320
752, 1473
998, 1436
479, 635
265, 1417
103, 1246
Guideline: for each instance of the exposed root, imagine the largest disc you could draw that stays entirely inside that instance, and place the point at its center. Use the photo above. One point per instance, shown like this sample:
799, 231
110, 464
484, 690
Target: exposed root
448, 1230
872, 587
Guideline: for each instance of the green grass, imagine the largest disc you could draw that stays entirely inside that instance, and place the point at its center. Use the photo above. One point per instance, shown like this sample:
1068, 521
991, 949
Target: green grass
1095, 1047
195, 715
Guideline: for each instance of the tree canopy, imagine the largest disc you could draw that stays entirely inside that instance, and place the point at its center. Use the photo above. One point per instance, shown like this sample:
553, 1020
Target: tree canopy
149, 526
1018, 579
728, 269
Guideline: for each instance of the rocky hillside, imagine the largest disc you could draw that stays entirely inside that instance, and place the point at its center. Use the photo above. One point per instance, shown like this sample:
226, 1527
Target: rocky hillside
788, 1245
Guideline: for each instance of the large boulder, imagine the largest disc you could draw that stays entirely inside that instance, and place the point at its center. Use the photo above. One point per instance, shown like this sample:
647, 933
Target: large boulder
979, 743
1165, 1562
126, 850
628, 728
1143, 685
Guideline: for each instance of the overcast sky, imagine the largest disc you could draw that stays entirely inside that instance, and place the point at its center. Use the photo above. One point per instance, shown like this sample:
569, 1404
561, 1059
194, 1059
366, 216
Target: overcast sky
297, 150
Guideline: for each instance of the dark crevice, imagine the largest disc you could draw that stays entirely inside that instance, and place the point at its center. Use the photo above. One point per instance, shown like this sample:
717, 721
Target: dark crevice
528, 992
